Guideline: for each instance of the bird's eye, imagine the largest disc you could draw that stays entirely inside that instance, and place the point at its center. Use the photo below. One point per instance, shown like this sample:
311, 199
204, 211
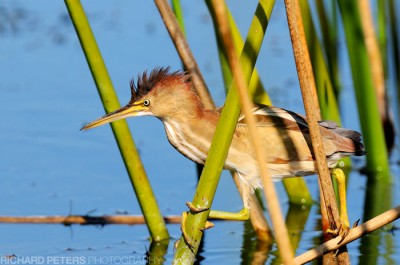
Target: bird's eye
146, 102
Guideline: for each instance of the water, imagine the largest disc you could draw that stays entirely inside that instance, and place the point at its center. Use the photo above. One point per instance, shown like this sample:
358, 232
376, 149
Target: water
49, 167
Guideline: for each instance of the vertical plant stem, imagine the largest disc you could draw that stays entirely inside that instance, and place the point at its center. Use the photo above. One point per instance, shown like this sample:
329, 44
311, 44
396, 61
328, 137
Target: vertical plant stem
177, 8
395, 45
281, 234
325, 91
373, 135
377, 69
307, 85
133, 164
382, 19
329, 37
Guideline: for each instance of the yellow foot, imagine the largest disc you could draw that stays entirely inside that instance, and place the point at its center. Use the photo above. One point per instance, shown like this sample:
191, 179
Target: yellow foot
342, 230
335, 229
242, 215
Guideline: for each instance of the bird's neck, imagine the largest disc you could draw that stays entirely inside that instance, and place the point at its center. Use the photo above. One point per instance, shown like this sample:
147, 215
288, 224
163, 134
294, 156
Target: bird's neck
191, 134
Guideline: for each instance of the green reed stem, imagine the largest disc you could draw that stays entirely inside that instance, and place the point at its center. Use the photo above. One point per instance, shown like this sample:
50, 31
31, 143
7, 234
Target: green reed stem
374, 139
177, 8
329, 30
381, 16
126, 145
326, 95
395, 45
256, 88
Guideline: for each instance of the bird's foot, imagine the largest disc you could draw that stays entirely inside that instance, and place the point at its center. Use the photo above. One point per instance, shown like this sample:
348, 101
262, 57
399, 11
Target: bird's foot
187, 239
242, 215
342, 229
195, 209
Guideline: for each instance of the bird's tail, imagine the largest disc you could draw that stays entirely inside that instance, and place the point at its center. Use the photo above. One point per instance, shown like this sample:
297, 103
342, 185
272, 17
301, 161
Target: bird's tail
357, 147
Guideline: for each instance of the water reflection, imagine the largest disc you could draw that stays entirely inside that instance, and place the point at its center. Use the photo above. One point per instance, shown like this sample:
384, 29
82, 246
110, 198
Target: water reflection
253, 251
378, 199
155, 255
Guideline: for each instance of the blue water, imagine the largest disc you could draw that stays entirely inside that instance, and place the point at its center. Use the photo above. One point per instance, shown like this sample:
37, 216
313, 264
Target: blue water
49, 167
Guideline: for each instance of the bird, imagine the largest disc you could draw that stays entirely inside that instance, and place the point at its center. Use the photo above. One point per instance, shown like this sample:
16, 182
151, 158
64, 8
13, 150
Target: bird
189, 126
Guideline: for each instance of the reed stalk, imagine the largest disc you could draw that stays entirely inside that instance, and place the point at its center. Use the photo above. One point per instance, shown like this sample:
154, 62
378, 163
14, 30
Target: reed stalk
325, 89
307, 85
177, 8
373, 135
382, 38
126, 145
329, 26
395, 47
377, 70
214, 163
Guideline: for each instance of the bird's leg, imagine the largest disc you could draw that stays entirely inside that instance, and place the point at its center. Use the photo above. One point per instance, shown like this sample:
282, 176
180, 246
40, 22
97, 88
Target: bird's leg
344, 225
243, 214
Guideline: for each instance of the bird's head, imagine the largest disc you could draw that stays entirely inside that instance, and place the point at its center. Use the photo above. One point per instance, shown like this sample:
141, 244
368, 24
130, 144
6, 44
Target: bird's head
161, 94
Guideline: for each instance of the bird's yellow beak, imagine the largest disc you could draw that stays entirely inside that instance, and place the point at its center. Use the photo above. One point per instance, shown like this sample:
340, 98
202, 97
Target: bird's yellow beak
129, 110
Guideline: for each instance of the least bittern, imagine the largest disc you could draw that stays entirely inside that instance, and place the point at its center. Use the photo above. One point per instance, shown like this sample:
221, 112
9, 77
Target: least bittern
190, 128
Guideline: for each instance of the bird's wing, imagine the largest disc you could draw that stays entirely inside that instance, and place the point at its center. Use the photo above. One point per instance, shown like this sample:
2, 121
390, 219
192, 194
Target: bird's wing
278, 117
335, 138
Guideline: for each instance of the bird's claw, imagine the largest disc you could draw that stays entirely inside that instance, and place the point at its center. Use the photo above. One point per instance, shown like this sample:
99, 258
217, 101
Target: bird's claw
208, 225
342, 230
187, 239
195, 209
355, 223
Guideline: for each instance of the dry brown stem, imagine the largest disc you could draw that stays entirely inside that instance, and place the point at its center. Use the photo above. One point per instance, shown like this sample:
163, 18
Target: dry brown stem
84, 219
355, 233
307, 85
